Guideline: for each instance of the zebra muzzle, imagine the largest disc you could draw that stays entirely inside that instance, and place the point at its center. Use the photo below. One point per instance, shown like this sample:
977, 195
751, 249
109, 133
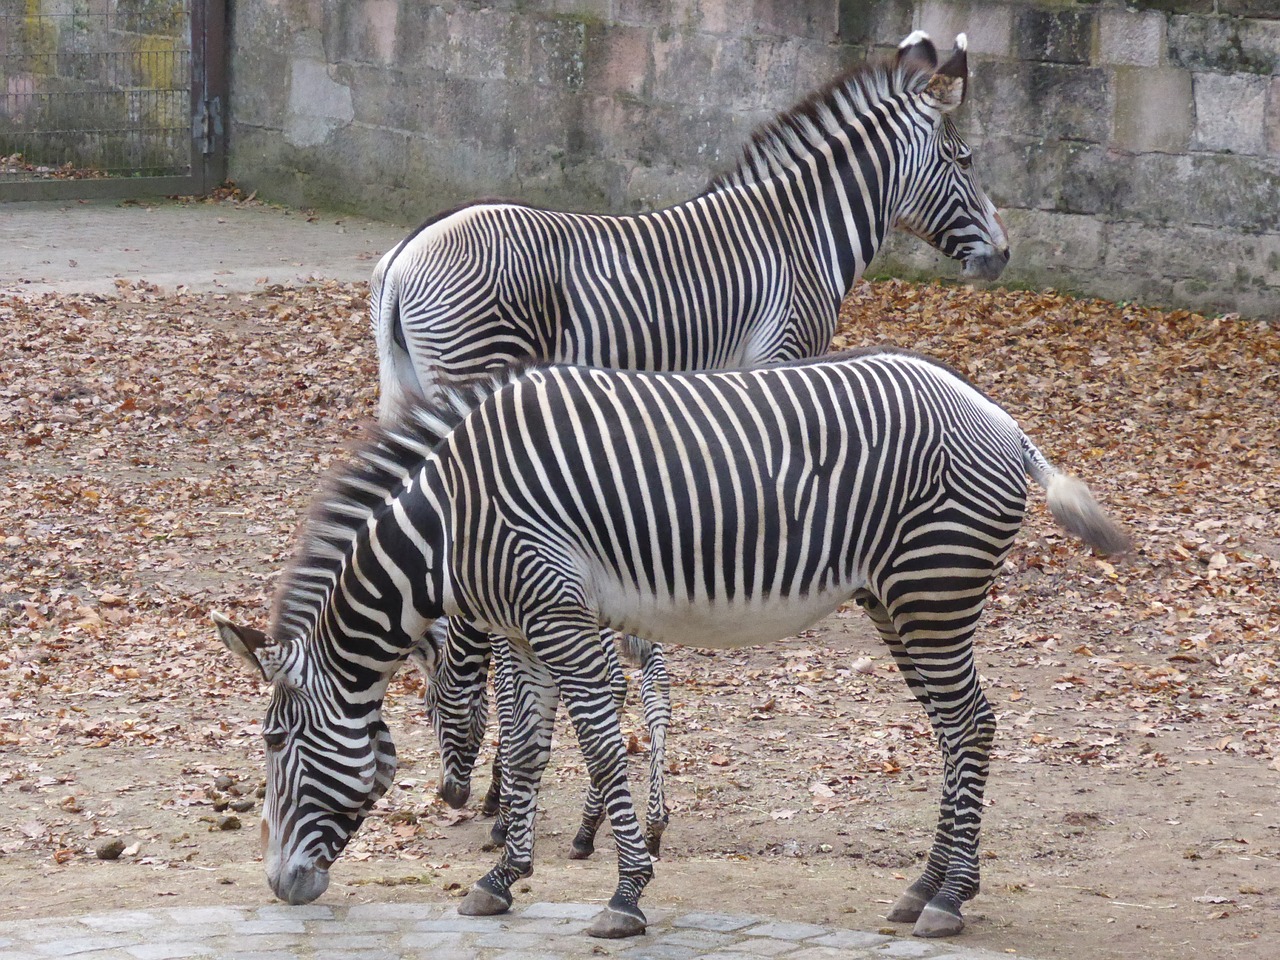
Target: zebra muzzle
454, 792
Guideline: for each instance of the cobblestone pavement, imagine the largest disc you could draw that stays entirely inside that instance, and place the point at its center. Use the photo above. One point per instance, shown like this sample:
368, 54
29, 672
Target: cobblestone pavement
541, 931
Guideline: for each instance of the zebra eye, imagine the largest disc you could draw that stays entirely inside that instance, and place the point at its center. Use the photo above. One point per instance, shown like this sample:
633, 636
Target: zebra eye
274, 739
965, 161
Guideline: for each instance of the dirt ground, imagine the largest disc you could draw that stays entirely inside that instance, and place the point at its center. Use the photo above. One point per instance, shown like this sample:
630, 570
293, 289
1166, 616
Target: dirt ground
158, 451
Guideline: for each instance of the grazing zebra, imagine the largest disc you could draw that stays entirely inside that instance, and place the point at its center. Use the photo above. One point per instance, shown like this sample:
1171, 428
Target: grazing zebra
464, 651
751, 272
718, 509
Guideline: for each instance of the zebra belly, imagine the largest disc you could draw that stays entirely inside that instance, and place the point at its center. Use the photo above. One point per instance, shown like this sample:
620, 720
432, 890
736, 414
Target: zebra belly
721, 624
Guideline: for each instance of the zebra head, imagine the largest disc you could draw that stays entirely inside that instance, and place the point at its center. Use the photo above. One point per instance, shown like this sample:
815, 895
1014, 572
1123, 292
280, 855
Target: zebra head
329, 760
943, 203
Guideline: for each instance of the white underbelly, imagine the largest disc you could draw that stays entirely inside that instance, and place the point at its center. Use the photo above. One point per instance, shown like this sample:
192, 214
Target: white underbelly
718, 625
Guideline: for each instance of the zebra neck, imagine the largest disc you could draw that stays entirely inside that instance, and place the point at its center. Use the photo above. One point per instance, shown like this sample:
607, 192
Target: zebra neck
388, 593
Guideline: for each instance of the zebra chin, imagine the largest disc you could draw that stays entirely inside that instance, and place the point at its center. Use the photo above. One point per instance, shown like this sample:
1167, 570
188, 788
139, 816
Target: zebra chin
985, 266
301, 884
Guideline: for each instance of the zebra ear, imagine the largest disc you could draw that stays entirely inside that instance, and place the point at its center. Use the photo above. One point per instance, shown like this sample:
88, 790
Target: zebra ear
950, 82
246, 642
917, 52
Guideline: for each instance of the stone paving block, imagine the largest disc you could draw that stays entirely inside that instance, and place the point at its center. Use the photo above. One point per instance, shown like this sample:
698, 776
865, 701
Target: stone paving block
551, 928
120, 921
706, 939
434, 940
658, 951
327, 928
506, 940
721, 922
169, 951
263, 942
851, 939
908, 948
69, 947
780, 930
251, 927
261, 955
560, 911
829, 953
307, 911
395, 911
767, 947
201, 915
375, 953
456, 924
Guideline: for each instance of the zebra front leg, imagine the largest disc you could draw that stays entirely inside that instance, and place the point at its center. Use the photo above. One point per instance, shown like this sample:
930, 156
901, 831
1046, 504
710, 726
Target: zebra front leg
580, 668
655, 693
496, 801
584, 842
458, 704
527, 747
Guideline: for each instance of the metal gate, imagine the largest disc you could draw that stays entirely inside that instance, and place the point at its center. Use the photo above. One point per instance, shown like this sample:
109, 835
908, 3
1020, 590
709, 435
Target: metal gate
111, 98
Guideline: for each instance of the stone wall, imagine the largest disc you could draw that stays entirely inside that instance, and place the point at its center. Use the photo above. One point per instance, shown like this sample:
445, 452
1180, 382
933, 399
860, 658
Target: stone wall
1133, 146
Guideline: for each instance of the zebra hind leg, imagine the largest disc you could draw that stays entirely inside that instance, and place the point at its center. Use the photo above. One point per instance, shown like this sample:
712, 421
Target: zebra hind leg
527, 748
584, 842
655, 692
965, 725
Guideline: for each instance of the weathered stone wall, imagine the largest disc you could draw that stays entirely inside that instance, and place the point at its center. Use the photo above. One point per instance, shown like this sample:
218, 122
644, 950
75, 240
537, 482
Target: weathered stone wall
1134, 145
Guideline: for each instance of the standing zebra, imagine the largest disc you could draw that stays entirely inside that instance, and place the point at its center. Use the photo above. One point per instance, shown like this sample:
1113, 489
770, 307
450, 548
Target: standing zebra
751, 504
752, 271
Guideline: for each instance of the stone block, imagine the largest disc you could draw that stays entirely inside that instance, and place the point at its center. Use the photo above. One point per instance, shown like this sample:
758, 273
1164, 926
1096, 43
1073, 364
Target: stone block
686, 66
779, 930
1230, 112
484, 44
617, 61
1273, 118
553, 52
368, 31
170, 950
1046, 100
1263, 9
988, 26
1154, 109
1053, 35
1225, 44
317, 104
1217, 190
884, 23
715, 922
1133, 39
1064, 242
808, 19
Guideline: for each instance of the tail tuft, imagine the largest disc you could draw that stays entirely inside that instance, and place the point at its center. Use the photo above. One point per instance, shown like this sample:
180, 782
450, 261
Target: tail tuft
1073, 506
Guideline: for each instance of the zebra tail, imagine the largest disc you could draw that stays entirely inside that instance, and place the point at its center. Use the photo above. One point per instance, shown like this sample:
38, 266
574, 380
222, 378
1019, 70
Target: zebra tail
1073, 506
399, 385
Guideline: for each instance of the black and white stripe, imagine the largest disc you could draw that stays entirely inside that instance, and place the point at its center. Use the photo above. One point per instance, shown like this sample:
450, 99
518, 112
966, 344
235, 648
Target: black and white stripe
713, 509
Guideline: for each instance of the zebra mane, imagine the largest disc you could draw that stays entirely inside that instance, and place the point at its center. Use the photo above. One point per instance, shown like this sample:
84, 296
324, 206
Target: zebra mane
382, 465
776, 144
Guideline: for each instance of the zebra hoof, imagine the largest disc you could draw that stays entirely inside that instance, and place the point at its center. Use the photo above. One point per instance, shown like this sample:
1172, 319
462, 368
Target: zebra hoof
492, 804
480, 902
937, 922
614, 924
908, 908
581, 848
